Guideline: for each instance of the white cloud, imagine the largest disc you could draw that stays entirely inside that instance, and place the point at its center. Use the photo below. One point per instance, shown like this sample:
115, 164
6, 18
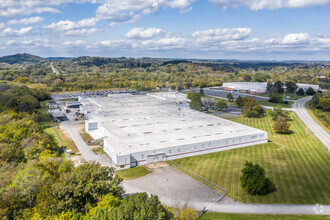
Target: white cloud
9, 32
11, 42
123, 11
38, 43
300, 38
111, 44
220, 35
12, 8
140, 33
81, 32
71, 25
72, 28
26, 21
270, 4
2, 26
161, 44
186, 10
75, 43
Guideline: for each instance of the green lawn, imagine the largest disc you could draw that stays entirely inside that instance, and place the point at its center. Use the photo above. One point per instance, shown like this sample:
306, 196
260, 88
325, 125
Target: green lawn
232, 216
67, 142
292, 96
267, 103
98, 150
68, 99
132, 173
85, 136
46, 125
217, 99
298, 165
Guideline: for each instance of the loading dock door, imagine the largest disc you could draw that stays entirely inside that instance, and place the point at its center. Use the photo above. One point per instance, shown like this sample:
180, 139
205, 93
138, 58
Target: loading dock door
150, 158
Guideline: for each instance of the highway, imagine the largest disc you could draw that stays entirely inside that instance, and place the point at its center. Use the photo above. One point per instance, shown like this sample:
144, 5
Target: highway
320, 133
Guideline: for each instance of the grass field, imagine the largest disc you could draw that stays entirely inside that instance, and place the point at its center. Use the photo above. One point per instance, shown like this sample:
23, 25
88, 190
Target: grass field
291, 96
230, 216
267, 103
68, 99
85, 136
44, 121
217, 99
66, 141
98, 150
298, 165
46, 125
132, 173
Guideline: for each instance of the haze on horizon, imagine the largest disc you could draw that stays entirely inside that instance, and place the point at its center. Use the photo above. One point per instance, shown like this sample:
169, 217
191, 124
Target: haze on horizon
213, 29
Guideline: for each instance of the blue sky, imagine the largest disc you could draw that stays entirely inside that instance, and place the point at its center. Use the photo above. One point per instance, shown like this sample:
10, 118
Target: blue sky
218, 29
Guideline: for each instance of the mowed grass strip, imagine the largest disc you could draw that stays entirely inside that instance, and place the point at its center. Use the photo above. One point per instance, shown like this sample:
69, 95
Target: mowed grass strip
281, 105
298, 164
132, 173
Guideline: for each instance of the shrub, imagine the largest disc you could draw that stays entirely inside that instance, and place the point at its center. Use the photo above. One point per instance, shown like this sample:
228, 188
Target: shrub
275, 98
221, 104
239, 101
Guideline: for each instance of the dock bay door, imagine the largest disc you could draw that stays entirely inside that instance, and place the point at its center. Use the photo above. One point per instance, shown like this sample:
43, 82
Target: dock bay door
153, 158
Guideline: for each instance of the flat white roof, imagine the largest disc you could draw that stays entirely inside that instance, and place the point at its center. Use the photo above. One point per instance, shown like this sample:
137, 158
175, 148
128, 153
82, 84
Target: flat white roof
161, 120
56, 113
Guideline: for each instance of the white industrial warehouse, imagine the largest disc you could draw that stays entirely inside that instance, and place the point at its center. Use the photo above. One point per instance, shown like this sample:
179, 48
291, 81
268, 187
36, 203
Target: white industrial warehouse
140, 129
258, 87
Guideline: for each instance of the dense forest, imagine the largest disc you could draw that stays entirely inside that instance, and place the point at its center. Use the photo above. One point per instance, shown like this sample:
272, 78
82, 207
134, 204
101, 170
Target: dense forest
93, 73
38, 182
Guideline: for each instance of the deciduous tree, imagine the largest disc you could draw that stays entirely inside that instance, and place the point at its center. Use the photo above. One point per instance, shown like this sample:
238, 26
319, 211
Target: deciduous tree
281, 125
251, 108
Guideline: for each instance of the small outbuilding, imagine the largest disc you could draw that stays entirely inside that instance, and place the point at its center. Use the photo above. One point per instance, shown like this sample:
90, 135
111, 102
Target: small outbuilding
57, 114
75, 104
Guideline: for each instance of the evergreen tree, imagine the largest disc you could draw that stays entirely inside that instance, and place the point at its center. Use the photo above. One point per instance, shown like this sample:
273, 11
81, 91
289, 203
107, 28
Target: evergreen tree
253, 180
300, 92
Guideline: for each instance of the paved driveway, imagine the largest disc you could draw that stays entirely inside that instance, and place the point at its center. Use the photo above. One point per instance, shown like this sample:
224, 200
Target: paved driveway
84, 149
172, 186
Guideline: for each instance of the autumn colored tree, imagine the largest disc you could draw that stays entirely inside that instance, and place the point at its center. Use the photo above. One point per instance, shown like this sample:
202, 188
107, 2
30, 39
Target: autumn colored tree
251, 108
281, 125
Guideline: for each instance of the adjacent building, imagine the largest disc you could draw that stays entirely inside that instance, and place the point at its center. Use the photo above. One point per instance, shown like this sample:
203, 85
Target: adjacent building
257, 87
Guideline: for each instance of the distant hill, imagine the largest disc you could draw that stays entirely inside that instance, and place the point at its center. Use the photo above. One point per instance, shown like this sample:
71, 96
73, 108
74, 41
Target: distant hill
20, 58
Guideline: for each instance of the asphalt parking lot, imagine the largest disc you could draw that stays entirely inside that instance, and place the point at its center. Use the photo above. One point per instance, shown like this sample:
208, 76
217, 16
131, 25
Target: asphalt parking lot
173, 187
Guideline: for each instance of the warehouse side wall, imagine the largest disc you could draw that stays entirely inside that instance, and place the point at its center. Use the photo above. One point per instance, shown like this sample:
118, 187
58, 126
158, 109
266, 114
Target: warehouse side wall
141, 158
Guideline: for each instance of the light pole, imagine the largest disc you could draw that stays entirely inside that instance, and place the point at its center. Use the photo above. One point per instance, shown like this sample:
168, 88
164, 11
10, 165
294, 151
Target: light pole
168, 191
